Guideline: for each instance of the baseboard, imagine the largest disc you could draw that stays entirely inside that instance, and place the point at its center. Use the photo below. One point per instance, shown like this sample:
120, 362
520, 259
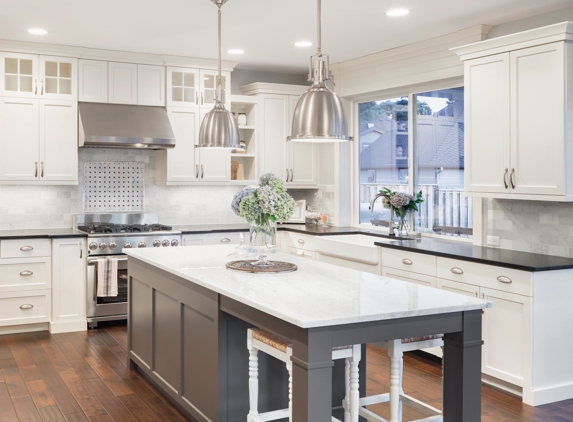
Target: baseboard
68, 326
25, 328
548, 395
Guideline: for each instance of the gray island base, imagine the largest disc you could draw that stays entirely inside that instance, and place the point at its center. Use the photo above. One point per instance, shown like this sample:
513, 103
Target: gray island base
188, 317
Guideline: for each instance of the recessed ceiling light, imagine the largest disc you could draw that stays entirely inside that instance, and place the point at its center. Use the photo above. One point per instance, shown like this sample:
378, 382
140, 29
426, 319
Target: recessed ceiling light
37, 31
303, 44
235, 51
397, 12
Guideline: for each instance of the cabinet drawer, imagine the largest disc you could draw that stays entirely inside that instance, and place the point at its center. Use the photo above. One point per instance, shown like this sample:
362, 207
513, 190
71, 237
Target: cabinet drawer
409, 261
489, 276
25, 307
226, 238
423, 279
25, 274
25, 248
300, 241
301, 253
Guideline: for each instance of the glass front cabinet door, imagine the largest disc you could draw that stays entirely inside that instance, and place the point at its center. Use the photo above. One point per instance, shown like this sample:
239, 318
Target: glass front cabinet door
29, 75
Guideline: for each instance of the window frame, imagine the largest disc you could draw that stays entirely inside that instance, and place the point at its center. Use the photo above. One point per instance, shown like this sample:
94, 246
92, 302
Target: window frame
410, 92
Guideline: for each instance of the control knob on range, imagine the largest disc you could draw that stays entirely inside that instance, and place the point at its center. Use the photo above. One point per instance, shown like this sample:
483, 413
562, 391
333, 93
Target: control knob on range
156, 243
127, 245
165, 243
102, 246
141, 245
112, 245
92, 246
174, 242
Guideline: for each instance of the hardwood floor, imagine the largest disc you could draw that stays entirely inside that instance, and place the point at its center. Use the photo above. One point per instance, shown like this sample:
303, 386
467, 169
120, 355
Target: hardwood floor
83, 377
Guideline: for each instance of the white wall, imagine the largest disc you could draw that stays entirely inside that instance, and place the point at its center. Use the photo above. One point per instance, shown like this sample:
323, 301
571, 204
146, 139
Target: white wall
545, 19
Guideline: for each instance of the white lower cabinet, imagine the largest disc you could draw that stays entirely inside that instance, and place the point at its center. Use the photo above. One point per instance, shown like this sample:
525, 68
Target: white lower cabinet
24, 307
68, 285
423, 279
220, 238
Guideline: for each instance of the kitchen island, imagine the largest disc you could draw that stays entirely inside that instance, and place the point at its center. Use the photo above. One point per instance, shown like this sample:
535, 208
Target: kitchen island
184, 304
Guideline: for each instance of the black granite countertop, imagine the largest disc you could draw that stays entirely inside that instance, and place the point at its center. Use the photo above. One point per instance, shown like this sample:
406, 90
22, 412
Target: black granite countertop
524, 261
431, 246
40, 233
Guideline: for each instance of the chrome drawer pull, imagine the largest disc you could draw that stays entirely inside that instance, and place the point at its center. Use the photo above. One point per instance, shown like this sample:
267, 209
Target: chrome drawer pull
26, 306
407, 261
225, 240
26, 273
476, 294
301, 241
457, 270
26, 248
504, 279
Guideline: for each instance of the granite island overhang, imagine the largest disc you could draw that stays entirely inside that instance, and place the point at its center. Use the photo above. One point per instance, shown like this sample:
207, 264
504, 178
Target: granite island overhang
179, 329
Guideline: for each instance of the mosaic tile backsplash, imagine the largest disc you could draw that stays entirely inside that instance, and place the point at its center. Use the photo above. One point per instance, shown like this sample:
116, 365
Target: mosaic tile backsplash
530, 226
32, 207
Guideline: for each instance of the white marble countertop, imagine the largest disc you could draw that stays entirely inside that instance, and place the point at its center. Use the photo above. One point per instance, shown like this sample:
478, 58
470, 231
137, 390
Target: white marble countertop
316, 295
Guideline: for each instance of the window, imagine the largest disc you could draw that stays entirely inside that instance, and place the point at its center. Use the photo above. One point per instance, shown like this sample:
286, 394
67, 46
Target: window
438, 157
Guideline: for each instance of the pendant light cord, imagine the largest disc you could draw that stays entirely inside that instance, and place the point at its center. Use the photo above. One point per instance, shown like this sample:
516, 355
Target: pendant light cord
319, 30
219, 85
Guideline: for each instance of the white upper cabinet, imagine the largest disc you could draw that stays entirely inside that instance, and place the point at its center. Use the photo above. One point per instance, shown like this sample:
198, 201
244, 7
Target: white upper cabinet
92, 81
42, 137
32, 76
122, 83
150, 85
519, 130
295, 162
183, 87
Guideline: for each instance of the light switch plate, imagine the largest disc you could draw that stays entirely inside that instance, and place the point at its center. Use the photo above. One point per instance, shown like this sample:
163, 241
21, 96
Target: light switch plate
493, 241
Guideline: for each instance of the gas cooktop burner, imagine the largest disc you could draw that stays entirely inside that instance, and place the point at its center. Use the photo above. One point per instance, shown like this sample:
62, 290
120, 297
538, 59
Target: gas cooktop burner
101, 228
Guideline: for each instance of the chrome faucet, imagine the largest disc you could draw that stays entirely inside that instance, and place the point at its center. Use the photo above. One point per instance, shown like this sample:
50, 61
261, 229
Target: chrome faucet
391, 222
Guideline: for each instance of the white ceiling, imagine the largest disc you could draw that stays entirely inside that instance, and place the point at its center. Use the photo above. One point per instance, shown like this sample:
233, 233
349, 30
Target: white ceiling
265, 29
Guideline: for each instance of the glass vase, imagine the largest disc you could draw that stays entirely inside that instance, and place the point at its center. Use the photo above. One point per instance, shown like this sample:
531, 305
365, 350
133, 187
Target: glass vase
263, 241
402, 230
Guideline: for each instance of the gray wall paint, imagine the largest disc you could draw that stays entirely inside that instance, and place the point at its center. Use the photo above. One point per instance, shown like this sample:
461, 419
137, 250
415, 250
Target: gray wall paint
241, 77
532, 22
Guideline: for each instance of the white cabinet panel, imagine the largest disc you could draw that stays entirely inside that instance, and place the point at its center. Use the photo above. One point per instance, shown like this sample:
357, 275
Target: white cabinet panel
122, 83
68, 285
182, 161
20, 274
208, 79
25, 248
487, 150
19, 135
424, 280
538, 132
58, 78
457, 287
303, 157
150, 85
215, 164
58, 140
93, 81
27, 307
19, 73
274, 124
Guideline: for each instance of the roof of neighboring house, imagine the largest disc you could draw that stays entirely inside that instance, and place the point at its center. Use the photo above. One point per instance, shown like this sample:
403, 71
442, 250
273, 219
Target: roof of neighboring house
440, 146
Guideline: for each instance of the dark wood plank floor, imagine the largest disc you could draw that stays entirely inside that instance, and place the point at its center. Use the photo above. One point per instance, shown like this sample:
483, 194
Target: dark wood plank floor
83, 377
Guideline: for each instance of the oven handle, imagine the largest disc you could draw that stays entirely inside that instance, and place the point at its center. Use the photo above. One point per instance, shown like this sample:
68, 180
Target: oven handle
94, 261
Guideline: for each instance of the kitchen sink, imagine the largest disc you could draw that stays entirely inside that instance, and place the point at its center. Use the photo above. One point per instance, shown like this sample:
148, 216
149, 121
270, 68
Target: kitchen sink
353, 247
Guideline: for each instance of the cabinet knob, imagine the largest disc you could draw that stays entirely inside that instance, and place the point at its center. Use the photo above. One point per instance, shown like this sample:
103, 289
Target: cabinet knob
504, 279
301, 241
26, 273
226, 240
26, 248
457, 270
476, 294
26, 306
407, 261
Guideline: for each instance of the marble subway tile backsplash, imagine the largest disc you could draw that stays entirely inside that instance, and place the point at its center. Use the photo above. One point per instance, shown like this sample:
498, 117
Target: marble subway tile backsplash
530, 226
32, 207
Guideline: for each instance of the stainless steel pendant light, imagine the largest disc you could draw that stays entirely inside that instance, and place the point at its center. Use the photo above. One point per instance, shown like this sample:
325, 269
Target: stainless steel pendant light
319, 115
219, 128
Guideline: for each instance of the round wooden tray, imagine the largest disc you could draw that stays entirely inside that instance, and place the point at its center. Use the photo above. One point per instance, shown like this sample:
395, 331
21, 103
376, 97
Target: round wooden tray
248, 267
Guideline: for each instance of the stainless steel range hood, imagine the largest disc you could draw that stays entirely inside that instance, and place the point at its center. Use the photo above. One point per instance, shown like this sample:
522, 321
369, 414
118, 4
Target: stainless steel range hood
124, 126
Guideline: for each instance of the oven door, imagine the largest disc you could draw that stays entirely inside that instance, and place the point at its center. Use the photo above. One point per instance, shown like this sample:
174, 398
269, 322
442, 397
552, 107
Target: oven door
101, 307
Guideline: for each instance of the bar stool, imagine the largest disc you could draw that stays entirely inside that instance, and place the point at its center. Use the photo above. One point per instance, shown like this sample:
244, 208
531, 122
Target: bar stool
259, 340
396, 396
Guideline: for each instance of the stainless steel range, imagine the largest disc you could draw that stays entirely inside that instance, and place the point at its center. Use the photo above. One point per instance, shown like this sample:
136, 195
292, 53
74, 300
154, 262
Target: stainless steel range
108, 234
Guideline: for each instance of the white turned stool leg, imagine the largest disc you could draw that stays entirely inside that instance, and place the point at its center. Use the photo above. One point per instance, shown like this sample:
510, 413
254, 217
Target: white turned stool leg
289, 369
395, 354
253, 379
346, 403
354, 397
